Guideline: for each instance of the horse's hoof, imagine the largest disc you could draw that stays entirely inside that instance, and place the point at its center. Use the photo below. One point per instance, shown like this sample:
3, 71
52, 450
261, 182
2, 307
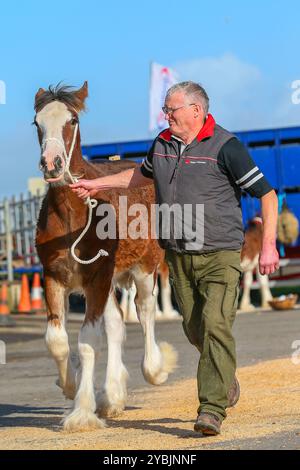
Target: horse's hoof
159, 374
111, 411
107, 409
171, 314
82, 420
247, 308
69, 391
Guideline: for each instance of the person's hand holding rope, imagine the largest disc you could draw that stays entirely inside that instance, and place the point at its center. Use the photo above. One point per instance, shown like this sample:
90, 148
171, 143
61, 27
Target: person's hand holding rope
85, 188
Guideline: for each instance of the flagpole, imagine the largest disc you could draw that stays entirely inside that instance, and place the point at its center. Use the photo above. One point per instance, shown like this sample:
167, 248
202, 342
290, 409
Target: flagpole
149, 98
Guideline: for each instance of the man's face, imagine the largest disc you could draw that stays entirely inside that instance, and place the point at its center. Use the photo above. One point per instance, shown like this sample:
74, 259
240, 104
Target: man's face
183, 120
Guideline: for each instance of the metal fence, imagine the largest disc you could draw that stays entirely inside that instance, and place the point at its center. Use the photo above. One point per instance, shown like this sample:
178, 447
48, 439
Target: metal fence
18, 219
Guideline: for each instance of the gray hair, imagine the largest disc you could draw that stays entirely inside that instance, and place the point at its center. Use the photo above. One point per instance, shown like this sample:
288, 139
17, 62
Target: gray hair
192, 90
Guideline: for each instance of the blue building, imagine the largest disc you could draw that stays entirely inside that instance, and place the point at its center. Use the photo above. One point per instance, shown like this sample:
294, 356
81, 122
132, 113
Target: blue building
276, 152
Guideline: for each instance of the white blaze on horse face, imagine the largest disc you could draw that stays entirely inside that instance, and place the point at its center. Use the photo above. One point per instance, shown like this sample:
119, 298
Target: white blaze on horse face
52, 119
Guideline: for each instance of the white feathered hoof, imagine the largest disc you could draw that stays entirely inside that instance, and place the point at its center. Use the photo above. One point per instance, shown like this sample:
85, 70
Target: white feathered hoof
158, 314
106, 408
167, 365
69, 390
171, 314
82, 420
246, 307
111, 399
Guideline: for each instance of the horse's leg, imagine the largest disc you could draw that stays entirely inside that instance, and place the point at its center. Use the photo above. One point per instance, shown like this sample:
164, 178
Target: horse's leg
166, 296
83, 416
266, 294
132, 315
111, 399
245, 303
127, 304
56, 298
124, 302
160, 360
158, 312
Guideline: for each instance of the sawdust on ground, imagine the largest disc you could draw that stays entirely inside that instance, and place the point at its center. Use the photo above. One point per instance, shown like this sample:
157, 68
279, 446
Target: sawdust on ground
163, 417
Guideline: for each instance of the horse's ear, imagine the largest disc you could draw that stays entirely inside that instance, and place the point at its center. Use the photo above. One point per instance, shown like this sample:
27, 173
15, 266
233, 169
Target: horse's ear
82, 93
39, 93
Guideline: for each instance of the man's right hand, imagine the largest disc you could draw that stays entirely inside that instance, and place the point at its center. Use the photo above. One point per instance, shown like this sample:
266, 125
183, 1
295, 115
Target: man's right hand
85, 188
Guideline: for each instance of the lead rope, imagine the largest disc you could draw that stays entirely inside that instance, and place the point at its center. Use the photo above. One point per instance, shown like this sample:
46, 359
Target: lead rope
90, 202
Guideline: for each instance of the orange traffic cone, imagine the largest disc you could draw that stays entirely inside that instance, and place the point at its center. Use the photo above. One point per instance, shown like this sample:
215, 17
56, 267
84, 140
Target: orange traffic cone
36, 294
5, 318
24, 304
4, 310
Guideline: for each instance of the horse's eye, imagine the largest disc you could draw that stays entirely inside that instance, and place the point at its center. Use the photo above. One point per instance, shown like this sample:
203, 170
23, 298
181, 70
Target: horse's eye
74, 121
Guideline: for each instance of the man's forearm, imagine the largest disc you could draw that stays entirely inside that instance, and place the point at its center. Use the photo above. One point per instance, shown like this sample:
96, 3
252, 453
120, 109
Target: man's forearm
269, 210
131, 178
269, 258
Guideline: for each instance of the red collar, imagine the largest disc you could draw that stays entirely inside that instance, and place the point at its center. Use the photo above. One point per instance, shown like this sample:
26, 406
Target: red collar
206, 130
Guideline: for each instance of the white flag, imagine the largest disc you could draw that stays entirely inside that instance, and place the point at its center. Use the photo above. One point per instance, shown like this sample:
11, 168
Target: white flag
2, 92
162, 78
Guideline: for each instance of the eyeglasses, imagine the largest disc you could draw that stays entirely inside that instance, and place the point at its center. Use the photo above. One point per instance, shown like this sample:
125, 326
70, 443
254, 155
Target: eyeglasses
167, 110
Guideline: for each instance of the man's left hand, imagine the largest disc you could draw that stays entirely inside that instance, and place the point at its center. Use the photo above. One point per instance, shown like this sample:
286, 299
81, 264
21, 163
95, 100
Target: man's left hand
268, 260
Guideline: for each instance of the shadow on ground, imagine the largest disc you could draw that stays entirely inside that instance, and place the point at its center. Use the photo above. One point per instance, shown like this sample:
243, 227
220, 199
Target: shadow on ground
31, 416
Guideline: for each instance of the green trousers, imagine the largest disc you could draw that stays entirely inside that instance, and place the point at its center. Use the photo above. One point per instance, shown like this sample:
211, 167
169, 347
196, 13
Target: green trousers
206, 287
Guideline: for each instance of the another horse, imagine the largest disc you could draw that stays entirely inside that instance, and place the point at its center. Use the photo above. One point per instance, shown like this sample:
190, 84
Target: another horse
167, 311
62, 219
249, 263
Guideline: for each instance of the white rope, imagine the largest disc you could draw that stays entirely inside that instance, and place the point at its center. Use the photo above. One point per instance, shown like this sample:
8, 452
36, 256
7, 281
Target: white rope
90, 202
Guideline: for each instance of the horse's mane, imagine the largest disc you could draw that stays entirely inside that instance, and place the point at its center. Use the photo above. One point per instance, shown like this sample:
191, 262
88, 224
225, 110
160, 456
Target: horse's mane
63, 93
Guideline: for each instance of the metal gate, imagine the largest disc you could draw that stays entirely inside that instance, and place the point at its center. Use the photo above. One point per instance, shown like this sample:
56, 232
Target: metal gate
18, 219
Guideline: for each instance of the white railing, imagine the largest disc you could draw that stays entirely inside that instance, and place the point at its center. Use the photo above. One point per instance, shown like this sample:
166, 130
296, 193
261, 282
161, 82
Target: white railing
18, 219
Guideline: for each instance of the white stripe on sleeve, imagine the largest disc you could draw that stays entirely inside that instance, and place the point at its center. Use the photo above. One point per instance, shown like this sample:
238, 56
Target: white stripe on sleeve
247, 175
147, 165
251, 182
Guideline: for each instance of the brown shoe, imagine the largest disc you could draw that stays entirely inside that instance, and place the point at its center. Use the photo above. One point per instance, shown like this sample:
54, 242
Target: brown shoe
234, 393
208, 423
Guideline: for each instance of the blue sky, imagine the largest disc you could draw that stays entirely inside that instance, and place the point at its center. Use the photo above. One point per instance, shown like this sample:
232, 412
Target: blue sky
245, 54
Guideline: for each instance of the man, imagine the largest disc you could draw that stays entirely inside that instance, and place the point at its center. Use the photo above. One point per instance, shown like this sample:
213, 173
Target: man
196, 162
